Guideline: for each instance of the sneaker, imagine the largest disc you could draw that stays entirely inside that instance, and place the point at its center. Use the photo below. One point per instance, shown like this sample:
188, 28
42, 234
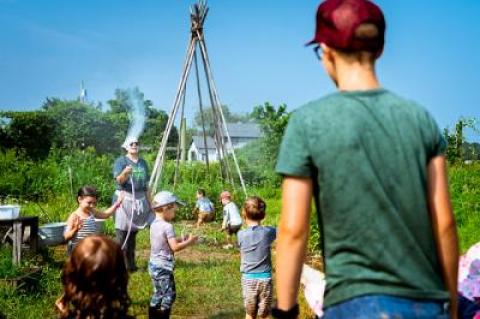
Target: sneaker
228, 246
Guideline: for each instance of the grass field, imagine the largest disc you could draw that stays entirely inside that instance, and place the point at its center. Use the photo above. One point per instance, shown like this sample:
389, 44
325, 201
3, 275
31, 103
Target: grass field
207, 279
207, 276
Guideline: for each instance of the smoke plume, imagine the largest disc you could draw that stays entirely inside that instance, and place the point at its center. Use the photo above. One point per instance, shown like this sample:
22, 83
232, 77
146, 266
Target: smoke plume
137, 114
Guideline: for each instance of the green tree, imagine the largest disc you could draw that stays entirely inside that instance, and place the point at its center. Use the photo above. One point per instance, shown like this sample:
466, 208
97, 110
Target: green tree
208, 118
260, 169
155, 122
273, 122
119, 104
458, 149
79, 125
30, 133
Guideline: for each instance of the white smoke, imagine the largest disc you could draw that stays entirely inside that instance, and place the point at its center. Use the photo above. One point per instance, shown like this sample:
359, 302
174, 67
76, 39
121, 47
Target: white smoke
137, 115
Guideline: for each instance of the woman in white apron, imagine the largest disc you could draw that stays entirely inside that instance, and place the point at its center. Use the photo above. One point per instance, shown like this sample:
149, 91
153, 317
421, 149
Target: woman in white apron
131, 175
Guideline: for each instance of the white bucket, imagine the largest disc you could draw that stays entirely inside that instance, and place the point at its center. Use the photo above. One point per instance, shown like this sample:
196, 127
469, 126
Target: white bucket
8, 212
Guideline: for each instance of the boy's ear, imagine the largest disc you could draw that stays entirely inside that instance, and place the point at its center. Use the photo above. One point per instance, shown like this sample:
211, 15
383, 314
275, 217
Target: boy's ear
326, 51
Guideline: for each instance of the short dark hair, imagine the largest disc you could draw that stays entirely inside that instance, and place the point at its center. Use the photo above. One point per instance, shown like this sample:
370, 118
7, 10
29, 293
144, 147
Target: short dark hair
254, 208
201, 191
87, 191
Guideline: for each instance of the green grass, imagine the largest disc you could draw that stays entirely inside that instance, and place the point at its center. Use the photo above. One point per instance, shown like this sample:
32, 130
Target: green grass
465, 193
207, 277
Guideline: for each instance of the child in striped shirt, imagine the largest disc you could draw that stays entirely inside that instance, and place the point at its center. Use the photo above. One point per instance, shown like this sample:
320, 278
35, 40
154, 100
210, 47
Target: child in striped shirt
81, 222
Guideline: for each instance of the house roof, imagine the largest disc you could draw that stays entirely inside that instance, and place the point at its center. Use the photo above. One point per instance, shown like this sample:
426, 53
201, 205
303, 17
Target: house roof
199, 142
244, 130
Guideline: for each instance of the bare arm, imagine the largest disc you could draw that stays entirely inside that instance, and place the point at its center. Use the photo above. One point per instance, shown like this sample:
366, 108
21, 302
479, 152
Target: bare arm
292, 238
124, 175
177, 245
112, 209
73, 225
444, 228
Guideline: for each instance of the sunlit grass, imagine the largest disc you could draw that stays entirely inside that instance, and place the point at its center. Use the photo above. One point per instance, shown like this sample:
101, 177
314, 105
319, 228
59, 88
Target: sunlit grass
207, 276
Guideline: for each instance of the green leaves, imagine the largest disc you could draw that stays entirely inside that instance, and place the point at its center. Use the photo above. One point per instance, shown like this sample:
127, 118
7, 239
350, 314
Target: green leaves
260, 169
73, 125
30, 133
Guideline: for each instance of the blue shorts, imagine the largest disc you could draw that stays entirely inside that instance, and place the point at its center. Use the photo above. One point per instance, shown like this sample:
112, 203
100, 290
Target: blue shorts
384, 306
164, 292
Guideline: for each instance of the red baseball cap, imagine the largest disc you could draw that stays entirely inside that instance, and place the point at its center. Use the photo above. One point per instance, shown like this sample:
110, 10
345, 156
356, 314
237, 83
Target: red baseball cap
338, 20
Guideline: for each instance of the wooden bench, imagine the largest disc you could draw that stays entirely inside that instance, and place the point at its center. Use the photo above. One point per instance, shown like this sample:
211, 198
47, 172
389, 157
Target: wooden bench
16, 231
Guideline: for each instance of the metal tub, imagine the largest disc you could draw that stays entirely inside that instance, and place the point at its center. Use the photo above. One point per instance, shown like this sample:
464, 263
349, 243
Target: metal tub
9, 212
100, 223
52, 234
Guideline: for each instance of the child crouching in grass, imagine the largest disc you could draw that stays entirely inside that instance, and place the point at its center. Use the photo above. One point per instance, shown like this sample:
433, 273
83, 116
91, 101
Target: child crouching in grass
163, 246
256, 262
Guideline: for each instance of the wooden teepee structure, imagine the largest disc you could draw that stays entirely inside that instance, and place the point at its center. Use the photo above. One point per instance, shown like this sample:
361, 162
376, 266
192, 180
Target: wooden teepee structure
198, 14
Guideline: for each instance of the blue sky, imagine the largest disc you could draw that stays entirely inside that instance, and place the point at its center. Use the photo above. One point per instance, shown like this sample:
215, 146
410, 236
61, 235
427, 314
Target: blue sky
256, 48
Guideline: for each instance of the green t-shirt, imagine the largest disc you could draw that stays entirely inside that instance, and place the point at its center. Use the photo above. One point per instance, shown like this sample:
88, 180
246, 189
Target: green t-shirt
367, 153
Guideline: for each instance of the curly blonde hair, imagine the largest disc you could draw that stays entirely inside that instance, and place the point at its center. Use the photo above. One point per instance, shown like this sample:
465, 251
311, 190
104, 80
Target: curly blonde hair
95, 280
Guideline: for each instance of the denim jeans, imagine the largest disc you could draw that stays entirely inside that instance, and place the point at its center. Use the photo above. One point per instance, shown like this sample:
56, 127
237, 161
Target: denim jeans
386, 307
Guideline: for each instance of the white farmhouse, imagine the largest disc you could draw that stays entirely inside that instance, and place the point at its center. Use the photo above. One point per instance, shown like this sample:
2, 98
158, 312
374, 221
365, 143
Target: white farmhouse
240, 135
198, 151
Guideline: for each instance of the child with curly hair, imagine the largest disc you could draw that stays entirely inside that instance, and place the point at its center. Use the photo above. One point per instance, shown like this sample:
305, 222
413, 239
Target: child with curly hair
95, 281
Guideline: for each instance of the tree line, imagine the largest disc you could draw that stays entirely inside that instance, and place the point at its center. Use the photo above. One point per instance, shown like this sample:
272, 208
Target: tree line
72, 125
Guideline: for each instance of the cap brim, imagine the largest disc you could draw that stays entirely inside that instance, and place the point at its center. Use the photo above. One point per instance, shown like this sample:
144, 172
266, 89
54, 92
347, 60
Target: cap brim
176, 202
313, 41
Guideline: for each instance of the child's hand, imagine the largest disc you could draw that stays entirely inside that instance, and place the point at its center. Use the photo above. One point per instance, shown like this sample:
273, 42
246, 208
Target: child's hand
77, 224
60, 305
192, 238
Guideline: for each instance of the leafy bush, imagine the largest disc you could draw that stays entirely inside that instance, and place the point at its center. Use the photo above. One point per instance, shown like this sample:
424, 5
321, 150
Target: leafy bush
465, 193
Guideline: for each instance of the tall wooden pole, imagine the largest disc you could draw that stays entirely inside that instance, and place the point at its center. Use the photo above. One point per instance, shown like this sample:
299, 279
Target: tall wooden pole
157, 169
198, 15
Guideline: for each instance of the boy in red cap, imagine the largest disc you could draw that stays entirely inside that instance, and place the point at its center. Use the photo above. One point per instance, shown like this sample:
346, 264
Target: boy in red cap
374, 163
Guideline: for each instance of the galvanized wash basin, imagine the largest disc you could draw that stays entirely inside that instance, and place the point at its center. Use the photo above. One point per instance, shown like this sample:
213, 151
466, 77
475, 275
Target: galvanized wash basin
9, 212
100, 225
52, 234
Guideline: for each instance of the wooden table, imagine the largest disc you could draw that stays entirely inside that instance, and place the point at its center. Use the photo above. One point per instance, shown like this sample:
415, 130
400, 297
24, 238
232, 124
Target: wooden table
17, 229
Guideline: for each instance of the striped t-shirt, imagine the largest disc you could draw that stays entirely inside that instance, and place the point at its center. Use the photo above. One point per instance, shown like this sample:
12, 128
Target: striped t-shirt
89, 228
